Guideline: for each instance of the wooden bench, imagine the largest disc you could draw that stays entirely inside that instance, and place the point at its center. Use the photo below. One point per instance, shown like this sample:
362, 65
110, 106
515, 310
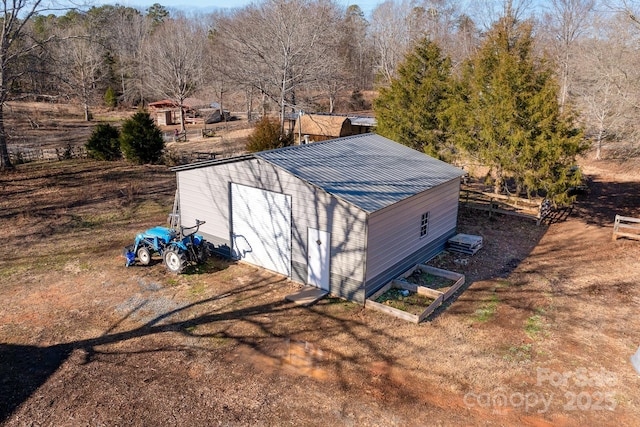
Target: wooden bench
630, 227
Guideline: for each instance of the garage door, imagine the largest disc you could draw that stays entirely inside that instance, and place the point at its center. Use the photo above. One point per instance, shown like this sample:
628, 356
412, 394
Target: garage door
261, 226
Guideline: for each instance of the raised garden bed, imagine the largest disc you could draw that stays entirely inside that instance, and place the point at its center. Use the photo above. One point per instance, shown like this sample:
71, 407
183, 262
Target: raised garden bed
417, 293
405, 300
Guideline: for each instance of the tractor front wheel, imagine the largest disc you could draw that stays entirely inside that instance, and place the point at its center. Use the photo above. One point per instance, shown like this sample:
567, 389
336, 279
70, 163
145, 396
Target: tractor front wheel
144, 256
175, 260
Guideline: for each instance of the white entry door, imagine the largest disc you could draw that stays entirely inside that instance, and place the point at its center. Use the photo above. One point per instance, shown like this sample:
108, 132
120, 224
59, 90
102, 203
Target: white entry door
319, 252
261, 226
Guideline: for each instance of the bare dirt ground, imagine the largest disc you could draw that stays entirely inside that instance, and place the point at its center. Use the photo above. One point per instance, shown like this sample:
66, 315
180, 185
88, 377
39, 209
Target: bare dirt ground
541, 336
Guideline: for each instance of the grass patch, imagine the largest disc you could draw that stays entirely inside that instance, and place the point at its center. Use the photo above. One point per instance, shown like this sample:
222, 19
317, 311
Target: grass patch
197, 288
149, 208
14, 270
339, 302
488, 309
173, 282
105, 218
519, 353
533, 326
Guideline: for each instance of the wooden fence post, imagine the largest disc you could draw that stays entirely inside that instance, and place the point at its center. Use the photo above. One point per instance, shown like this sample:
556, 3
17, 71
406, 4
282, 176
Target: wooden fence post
616, 227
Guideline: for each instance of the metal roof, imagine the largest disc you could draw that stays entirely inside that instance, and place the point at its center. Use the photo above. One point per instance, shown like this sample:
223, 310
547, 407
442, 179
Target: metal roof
367, 170
363, 121
204, 163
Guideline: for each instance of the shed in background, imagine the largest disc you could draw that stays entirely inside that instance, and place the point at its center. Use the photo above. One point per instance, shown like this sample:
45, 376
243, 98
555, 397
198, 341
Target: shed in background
322, 127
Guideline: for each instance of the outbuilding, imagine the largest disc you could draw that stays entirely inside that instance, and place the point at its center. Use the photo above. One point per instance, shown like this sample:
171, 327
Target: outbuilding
321, 127
345, 215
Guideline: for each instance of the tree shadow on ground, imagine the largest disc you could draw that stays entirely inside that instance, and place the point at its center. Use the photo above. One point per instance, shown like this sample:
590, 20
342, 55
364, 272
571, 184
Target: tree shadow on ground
605, 200
519, 237
268, 325
24, 368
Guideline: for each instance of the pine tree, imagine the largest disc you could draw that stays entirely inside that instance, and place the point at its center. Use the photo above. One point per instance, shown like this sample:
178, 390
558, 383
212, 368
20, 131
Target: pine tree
140, 139
104, 143
110, 98
508, 115
413, 110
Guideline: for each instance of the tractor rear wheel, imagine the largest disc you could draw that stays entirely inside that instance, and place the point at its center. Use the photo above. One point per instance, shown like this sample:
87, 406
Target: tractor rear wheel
144, 256
203, 253
175, 260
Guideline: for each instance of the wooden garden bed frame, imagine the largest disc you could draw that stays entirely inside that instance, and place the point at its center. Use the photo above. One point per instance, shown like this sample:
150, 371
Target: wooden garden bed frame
440, 297
631, 227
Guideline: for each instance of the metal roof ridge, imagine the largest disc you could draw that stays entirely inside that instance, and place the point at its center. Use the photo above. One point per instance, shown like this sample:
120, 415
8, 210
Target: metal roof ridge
203, 163
311, 144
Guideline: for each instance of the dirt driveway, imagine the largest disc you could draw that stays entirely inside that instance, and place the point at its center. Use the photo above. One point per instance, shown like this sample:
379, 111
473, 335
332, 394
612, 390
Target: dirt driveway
541, 336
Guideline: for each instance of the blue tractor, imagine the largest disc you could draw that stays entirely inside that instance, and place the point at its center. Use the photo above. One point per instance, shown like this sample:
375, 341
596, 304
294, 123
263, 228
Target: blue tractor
178, 248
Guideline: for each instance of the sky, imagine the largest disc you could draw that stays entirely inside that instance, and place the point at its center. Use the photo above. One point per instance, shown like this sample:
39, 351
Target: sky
209, 5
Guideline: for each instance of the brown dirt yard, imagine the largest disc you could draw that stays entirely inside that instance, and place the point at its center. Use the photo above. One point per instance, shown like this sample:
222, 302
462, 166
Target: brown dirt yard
41, 125
541, 336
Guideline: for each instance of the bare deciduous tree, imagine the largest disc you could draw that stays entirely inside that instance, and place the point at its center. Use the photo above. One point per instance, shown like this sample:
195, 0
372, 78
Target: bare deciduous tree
15, 44
486, 12
129, 30
279, 46
567, 21
355, 48
607, 77
396, 27
81, 60
390, 36
172, 59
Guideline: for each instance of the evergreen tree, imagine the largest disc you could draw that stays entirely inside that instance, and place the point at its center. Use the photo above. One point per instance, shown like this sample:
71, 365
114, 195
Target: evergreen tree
508, 115
104, 143
110, 98
413, 110
140, 139
157, 13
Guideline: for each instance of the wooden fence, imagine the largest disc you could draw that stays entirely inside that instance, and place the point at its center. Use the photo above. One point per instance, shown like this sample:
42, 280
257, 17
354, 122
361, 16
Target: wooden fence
630, 227
503, 204
25, 155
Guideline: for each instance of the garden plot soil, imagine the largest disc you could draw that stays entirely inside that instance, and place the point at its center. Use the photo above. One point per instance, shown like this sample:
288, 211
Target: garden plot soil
438, 283
541, 335
401, 299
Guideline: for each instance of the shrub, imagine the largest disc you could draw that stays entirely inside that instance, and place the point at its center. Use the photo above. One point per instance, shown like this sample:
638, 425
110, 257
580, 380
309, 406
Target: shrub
140, 139
104, 143
110, 98
266, 136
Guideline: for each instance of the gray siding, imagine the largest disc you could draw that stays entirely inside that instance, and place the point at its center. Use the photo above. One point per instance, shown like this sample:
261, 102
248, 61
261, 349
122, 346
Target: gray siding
394, 242
422, 255
204, 194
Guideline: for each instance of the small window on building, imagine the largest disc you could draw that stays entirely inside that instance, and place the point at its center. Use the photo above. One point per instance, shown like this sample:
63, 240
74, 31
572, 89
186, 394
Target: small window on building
424, 224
